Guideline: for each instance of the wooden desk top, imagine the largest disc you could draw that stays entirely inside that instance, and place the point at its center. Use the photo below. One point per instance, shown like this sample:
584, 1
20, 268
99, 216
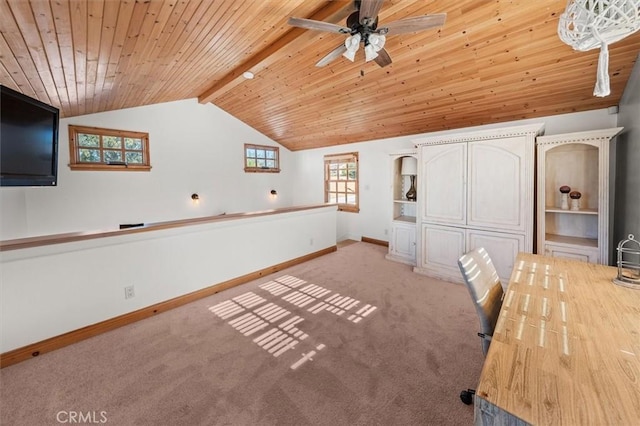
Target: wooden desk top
566, 349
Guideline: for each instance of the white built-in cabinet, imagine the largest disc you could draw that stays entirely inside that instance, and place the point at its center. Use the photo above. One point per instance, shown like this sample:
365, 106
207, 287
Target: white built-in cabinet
476, 190
402, 236
402, 242
581, 161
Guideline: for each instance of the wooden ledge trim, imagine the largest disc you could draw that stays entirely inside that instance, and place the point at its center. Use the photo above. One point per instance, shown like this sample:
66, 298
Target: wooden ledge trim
26, 352
45, 240
374, 241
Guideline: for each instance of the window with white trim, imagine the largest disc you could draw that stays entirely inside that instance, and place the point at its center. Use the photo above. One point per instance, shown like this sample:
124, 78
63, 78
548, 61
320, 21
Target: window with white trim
341, 181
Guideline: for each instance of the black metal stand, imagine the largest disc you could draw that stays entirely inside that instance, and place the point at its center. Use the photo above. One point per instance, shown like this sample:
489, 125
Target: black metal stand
467, 396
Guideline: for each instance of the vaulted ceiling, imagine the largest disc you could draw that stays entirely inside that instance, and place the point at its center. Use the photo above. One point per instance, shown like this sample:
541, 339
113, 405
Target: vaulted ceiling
492, 61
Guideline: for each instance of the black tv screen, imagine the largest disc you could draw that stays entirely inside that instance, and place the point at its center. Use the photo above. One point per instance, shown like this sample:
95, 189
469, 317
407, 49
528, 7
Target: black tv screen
28, 140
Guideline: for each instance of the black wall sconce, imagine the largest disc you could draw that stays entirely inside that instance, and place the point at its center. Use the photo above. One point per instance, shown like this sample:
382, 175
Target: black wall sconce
195, 197
274, 192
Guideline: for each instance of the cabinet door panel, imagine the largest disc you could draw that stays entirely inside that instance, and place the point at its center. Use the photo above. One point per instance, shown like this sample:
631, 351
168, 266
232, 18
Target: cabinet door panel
502, 248
496, 184
441, 248
443, 183
403, 241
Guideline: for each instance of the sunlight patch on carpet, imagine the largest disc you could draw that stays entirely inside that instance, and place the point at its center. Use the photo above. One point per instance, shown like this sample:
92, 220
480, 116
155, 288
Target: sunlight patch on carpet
290, 281
275, 288
306, 357
249, 300
283, 337
248, 324
226, 309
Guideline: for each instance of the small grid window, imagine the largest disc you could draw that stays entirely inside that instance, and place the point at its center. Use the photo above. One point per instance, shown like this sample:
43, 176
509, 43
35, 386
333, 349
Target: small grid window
93, 148
341, 181
261, 158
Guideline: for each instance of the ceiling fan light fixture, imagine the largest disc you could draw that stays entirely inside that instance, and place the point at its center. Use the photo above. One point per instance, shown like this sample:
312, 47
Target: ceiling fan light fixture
377, 41
352, 43
370, 53
350, 55
362, 27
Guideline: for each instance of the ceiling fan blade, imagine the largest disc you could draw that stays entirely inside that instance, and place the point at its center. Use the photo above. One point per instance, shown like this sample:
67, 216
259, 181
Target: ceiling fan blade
331, 56
383, 59
369, 9
311, 24
410, 25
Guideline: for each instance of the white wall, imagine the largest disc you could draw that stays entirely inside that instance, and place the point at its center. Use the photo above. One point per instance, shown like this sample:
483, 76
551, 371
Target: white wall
50, 290
375, 176
194, 148
627, 196
198, 148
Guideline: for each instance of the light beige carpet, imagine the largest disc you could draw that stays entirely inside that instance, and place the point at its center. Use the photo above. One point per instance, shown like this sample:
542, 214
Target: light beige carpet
346, 339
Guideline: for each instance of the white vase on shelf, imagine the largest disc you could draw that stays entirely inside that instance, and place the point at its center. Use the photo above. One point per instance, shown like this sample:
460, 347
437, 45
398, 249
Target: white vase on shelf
564, 197
575, 200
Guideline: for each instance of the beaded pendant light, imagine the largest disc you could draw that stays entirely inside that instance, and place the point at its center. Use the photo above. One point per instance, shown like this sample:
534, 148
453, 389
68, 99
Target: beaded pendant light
588, 24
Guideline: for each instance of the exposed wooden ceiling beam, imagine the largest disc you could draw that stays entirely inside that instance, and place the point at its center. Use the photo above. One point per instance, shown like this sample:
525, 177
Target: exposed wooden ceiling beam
331, 11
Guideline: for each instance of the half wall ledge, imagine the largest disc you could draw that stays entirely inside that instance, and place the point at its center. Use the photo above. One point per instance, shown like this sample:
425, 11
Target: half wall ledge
59, 289
44, 240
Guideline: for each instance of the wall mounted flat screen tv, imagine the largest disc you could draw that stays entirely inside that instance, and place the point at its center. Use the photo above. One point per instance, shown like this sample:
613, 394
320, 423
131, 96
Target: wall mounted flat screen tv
28, 140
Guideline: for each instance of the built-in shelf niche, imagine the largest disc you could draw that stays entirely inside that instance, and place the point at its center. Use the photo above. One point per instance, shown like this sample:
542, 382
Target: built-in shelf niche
403, 210
581, 161
402, 231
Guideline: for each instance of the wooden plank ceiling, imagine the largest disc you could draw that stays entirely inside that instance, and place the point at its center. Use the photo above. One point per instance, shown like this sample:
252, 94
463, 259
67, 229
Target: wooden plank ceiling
493, 61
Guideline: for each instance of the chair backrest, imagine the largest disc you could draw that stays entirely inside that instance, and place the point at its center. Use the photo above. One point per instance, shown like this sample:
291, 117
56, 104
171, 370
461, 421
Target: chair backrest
485, 289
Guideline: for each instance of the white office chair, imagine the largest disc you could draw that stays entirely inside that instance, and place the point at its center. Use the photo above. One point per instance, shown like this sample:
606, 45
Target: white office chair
484, 286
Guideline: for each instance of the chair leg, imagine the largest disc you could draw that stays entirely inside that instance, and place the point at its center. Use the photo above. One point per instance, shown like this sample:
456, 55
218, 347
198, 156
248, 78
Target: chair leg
467, 396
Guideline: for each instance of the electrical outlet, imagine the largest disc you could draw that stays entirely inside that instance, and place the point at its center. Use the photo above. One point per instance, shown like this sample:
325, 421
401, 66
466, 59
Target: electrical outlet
386, 232
310, 241
129, 292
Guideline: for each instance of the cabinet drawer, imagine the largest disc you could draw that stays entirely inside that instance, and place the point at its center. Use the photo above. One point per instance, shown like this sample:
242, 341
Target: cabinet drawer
575, 253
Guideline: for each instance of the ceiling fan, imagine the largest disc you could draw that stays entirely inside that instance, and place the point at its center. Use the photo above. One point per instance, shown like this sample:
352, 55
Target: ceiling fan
363, 27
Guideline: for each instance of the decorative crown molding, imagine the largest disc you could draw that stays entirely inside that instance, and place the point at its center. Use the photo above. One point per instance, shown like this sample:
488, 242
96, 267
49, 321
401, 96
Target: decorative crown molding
579, 137
504, 132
